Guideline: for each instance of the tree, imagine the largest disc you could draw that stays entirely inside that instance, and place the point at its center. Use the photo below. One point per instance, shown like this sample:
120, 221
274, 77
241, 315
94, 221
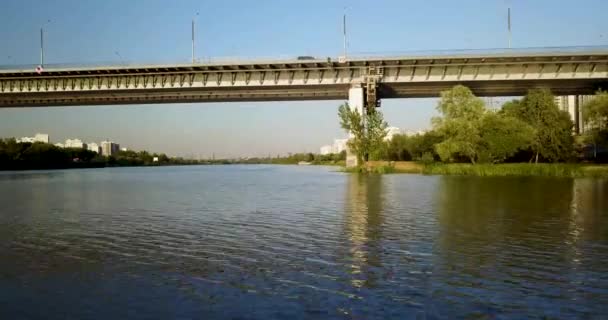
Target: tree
595, 115
406, 148
368, 131
552, 139
376, 133
595, 112
397, 148
502, 136
460, 124
424, 145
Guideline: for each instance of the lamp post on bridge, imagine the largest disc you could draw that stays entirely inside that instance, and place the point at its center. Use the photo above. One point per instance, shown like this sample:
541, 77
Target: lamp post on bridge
193, 29
509, 25
42, 43
344, 35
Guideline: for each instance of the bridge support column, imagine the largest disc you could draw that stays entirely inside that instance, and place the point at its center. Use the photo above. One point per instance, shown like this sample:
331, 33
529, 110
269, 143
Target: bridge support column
364, 98
356, 101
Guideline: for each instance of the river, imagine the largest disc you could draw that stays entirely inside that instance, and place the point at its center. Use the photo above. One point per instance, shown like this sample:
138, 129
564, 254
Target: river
299, 242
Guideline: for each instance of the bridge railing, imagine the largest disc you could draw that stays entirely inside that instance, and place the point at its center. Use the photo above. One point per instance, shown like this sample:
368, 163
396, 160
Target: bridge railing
603, 49
354, 56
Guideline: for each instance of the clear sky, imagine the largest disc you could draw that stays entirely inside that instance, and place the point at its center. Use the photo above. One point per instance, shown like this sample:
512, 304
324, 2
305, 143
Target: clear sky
159, 31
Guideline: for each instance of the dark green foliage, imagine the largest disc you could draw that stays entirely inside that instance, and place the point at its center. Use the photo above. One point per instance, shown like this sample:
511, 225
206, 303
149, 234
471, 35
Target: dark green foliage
502, 136
552, 140
476, 134
595, 114
595, 111
412, 148
368, 132
21, 156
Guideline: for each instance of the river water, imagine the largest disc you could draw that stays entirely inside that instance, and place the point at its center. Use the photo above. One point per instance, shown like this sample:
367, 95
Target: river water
299, 242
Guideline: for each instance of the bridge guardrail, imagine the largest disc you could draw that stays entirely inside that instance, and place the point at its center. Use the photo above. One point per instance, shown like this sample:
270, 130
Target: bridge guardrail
291, 58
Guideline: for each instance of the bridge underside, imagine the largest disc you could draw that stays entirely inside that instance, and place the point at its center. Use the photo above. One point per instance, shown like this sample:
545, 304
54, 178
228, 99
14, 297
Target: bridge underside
496, 88
176, 95
294, 93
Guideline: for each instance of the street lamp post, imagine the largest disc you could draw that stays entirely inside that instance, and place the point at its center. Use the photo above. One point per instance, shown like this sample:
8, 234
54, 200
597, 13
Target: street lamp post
344, 32
509, 25
193, 27
42, 43
41, 47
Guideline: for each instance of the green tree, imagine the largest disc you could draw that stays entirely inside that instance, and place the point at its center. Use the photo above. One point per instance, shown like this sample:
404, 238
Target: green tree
552, 139
595, 111
398, 148
368, 131
595, 115
424, 145
460, 124
502, 136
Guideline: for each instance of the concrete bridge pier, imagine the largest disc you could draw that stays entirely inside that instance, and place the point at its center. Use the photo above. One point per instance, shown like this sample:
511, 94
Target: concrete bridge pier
356, 101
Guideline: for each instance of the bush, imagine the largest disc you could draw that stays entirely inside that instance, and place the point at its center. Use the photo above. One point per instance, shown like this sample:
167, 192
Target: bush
427, 158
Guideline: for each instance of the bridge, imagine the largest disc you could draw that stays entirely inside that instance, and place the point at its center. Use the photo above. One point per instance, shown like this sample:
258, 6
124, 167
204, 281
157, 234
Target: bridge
362, 80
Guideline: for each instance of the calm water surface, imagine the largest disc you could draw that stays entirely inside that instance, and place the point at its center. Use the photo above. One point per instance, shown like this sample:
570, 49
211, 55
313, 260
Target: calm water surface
288, 242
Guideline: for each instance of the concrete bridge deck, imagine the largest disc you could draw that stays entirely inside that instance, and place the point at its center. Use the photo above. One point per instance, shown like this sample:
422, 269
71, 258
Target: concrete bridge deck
503, 73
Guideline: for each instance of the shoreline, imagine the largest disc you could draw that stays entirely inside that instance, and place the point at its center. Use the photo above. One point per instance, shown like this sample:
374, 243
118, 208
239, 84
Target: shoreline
487, 170
565, 170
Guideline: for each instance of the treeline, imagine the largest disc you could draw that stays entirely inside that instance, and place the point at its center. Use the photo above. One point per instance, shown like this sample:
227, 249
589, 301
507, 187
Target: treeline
34, 156
334, 158
24, 156
531, 129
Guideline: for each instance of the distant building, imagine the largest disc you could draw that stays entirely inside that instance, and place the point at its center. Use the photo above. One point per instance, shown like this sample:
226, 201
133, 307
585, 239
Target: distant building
39, 137
573, 104
124, 149
59, 145
25, 140
109, 148
74, 143
339, 145
92, 146
390, 132
414, 132
326, 149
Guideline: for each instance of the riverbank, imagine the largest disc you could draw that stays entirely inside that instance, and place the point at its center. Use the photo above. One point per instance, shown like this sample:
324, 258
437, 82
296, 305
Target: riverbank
488, 170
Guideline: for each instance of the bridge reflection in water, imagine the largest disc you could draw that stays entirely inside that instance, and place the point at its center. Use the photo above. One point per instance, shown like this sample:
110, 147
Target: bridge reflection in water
363, 227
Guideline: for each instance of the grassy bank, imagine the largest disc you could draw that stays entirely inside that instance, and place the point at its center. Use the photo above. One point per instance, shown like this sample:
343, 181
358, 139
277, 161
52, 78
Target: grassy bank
487, 170
384, 167
519, 169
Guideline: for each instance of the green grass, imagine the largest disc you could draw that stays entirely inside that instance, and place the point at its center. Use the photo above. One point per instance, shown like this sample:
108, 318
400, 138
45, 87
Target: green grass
372, 170
489, 170
329, 163
518, 169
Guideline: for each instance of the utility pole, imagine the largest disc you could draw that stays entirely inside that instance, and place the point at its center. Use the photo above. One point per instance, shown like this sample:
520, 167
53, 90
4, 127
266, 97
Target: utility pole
41, 47
192, 41
42, 43
509, 25
344, 32
193, 31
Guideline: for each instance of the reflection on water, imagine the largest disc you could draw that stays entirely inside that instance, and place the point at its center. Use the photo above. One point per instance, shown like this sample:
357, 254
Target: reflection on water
521, 235
364, 219
277, 242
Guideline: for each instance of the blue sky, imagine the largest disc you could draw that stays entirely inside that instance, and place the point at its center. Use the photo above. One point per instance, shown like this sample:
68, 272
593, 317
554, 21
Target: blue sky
159, 31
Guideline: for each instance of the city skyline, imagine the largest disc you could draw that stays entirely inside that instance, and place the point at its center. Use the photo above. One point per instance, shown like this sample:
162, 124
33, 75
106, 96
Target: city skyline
85, 33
